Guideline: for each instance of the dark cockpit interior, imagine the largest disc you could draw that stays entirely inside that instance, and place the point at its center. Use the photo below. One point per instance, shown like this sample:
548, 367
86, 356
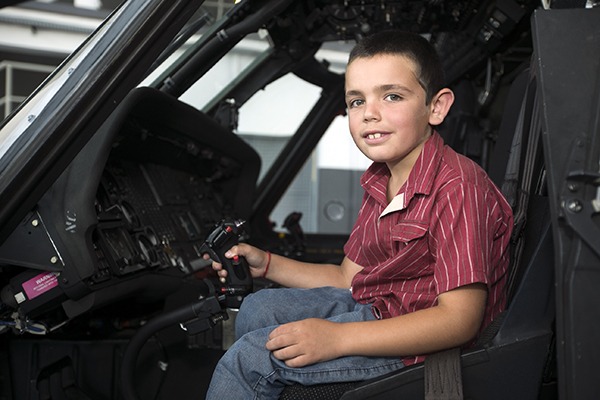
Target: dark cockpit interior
116, 238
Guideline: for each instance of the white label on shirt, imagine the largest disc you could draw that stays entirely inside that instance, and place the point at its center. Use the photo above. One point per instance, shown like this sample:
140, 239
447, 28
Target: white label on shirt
396, 204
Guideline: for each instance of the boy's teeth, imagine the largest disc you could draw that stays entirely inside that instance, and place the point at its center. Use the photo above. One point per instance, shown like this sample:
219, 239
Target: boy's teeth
374, 135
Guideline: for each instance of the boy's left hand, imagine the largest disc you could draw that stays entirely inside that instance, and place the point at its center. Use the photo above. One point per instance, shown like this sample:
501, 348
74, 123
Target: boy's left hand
305, 342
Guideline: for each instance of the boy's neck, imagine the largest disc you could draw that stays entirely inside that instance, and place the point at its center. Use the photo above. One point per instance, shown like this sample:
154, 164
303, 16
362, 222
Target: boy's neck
394, 184
400, 171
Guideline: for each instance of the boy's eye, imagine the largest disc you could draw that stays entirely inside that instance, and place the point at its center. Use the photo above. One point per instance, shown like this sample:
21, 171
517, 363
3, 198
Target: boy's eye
355, 103
393, 97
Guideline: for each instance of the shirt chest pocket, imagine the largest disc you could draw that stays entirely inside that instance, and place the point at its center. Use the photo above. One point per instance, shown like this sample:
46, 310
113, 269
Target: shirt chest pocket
411, 251
407, 235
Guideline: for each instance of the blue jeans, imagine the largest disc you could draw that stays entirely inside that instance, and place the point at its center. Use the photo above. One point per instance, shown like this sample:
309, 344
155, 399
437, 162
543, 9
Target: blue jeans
249, 371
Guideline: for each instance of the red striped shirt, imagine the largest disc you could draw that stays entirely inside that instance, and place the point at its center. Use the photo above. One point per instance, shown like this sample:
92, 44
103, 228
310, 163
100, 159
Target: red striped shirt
449, 226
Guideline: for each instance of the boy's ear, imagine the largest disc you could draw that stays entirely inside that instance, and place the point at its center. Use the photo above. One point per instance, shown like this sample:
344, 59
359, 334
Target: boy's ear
440, 105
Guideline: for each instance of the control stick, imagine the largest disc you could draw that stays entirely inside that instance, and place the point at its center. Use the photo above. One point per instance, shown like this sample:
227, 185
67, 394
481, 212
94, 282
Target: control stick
225, 235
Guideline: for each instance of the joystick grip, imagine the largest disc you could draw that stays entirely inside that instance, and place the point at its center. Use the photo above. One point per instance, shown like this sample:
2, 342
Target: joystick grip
224, 236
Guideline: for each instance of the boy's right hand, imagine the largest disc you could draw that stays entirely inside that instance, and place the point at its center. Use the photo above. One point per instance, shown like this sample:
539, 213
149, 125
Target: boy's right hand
257, 260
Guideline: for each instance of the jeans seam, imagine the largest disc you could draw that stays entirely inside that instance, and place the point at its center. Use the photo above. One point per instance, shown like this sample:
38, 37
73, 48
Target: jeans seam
265, 378
388, 367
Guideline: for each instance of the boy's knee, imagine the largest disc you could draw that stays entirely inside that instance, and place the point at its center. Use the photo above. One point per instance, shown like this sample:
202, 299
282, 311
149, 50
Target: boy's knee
244, 320
246, 362
255, 313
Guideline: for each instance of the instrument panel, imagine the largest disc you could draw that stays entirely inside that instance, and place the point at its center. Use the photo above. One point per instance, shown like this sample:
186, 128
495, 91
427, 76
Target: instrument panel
127, 218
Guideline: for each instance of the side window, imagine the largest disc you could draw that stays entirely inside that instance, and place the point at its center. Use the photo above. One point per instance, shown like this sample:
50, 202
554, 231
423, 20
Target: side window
339, 167
327, 189
268, 121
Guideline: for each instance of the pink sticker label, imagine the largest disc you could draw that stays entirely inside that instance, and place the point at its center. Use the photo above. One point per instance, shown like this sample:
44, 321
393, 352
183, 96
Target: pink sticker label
40, 284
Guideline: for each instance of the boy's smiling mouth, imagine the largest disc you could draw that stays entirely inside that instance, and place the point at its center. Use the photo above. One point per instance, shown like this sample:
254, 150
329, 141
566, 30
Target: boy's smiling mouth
374, 135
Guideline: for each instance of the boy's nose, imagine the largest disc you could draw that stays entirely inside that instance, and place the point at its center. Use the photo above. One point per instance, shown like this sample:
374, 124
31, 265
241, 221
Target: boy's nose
371, 113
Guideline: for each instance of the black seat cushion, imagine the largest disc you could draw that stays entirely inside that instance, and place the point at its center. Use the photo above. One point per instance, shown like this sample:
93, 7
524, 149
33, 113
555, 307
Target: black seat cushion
326, 391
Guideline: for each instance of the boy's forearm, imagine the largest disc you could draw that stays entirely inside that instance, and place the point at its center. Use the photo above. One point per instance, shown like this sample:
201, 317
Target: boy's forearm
410, 334
422, 332
293, 273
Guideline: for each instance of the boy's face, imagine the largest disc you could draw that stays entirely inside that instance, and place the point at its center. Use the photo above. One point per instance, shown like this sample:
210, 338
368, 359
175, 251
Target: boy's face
389, 120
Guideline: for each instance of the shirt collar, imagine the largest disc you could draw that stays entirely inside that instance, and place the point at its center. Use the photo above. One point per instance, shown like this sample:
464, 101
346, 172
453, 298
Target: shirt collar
420, 180
423, 174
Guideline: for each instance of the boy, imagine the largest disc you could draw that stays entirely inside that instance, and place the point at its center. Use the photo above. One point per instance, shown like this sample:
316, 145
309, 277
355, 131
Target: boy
426, 260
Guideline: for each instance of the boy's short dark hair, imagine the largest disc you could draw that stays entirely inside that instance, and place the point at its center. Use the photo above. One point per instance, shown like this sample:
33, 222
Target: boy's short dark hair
430, 73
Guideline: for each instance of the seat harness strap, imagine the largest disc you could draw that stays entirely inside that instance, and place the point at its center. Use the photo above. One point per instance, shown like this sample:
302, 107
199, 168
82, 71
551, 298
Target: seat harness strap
443, 378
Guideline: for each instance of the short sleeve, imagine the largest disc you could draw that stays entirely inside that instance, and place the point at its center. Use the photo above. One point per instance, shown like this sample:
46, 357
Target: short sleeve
462, 232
